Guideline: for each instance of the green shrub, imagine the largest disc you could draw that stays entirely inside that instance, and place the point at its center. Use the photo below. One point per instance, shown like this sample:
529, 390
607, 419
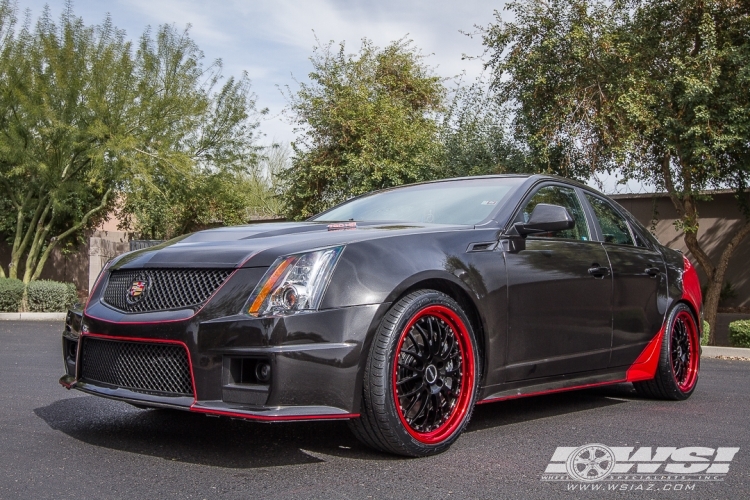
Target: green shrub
11, 293
706, 333
50, 296
739, 333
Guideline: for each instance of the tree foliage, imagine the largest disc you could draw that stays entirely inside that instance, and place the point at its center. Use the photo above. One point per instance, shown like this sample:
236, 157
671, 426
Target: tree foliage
87, 119
474, 135
210, 199
553, 66
366, 121
654, 89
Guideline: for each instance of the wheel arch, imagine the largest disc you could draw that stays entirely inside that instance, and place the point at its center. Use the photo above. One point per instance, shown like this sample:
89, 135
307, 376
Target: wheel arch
691, 291
458, 291
693, 311
442, 282
463, 299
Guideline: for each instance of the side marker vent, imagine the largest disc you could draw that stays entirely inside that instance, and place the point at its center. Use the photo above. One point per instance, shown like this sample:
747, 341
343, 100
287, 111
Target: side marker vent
486, 246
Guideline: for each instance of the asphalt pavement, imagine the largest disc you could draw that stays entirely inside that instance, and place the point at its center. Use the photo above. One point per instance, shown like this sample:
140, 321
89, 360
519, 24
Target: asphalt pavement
65, 444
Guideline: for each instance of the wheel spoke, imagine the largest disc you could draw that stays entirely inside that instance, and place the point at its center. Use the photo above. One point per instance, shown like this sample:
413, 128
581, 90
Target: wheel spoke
413, 340
428, 377
436, 409
422, 409
408, 379
413, 391
423, 334
406, 412
447, 392
442, 334
410, 367
412, 354
432, 336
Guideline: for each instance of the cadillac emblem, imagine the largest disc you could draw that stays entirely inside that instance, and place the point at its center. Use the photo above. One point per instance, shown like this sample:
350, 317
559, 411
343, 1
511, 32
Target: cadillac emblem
138, 290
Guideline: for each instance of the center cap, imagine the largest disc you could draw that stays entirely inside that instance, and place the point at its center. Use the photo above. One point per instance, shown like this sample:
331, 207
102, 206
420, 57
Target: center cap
430, 374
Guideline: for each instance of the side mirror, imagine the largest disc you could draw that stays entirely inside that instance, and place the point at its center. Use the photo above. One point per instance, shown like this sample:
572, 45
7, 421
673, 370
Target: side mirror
546, 218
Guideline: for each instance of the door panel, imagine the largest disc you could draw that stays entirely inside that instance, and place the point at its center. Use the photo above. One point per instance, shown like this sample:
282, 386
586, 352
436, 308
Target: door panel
560, 316
559, 296
639, 279
636, 315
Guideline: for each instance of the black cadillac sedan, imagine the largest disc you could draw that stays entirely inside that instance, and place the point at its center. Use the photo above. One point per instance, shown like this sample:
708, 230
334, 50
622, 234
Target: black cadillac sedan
399, 310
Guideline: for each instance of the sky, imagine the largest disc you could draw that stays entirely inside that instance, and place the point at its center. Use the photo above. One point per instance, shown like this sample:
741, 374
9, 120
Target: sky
272, 40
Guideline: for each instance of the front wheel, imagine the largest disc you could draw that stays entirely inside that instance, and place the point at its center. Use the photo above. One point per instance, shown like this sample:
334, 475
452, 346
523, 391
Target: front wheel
421, 377
679, 359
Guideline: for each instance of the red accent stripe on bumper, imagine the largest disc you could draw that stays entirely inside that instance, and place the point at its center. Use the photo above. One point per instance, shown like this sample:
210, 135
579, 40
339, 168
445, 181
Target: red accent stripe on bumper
278, 418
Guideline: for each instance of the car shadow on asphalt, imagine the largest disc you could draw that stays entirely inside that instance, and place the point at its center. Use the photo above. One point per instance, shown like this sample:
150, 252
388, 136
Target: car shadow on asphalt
526, 409
231, 443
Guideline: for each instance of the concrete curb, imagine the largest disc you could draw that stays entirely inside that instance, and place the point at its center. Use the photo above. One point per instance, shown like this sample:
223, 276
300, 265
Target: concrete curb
32, 316
715, 352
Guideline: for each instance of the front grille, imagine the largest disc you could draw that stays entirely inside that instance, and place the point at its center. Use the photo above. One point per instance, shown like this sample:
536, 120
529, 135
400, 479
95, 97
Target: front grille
150, 368
162, 289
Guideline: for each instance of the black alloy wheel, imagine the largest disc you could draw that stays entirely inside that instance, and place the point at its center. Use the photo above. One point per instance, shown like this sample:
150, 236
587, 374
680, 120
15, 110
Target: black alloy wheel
421, 377
679, 358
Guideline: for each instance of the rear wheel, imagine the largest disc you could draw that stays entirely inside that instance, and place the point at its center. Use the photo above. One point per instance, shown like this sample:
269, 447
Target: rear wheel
421, 377
679, 360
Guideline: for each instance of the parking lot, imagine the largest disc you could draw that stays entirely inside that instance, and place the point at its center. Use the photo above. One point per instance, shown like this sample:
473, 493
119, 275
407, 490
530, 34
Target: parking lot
66, 444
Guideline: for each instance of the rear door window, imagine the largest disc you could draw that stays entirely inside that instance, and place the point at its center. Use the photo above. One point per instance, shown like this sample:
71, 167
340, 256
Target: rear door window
614, 226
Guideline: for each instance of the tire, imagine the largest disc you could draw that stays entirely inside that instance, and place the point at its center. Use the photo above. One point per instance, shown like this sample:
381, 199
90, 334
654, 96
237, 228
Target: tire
421, 377
679, 359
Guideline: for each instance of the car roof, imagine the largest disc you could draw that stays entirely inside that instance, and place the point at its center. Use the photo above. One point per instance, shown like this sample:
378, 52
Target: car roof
535, 177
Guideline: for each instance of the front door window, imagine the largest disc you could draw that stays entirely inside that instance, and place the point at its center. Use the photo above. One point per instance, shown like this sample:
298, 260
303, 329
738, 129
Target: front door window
565, 197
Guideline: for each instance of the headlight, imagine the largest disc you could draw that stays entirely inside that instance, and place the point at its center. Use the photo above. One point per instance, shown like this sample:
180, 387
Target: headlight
294, 283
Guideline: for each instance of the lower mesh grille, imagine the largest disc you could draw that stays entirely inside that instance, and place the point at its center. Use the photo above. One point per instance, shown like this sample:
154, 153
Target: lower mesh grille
150, 368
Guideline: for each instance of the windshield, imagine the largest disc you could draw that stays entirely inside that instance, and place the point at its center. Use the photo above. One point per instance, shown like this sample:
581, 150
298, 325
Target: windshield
466, 202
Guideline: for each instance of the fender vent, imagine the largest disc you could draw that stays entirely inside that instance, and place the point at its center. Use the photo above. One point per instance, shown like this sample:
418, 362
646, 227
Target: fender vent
486, 246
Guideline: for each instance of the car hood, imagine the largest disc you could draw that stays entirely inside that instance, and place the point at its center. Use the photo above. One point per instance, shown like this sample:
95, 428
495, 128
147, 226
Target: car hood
258, 245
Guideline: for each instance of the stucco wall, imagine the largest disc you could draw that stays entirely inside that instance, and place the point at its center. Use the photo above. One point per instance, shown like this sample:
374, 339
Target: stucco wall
719, 219
104, 246
72, 267
78, 266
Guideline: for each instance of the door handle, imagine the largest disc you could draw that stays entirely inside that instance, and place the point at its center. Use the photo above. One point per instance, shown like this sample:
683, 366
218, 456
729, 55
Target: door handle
597, 271
653, 271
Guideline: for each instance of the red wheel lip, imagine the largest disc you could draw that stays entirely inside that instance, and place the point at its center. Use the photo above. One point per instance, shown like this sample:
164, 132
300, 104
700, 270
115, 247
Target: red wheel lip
467, 375
692, 374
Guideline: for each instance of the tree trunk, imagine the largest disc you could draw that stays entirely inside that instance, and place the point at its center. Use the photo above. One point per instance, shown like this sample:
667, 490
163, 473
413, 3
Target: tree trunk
40, 237
22, 238
39, 265
20, 215
710, 309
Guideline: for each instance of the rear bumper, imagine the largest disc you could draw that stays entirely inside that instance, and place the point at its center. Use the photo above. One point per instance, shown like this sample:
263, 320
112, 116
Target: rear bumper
315, 362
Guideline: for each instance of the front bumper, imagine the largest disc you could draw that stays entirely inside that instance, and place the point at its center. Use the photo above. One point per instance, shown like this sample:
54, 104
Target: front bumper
315, 361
